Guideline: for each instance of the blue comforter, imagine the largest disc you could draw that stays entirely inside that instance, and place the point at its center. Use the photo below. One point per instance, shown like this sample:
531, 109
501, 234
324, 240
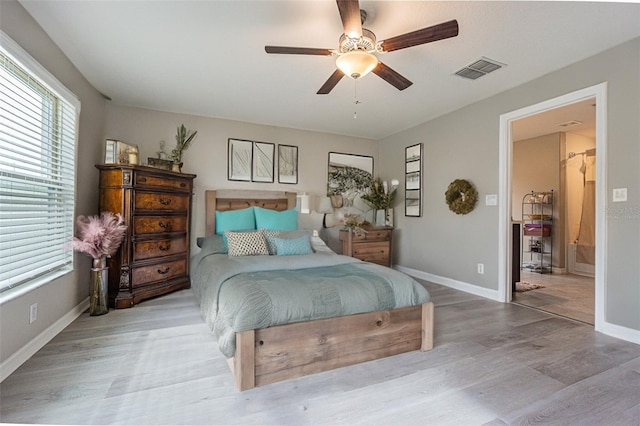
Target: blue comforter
252, 292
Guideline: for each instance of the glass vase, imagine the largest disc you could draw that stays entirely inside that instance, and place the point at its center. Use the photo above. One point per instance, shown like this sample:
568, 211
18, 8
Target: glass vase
99, 290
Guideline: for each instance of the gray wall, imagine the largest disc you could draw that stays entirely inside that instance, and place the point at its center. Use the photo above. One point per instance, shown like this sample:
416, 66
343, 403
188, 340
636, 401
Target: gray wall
60, 297
464, 144
207, 156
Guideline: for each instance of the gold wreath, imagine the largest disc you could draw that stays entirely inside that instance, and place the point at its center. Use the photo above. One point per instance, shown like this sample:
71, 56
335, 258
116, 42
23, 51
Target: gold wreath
461, 196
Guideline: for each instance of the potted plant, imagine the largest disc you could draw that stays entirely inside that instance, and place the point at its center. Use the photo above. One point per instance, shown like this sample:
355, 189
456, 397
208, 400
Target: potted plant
184, 138
99, 237
381, 198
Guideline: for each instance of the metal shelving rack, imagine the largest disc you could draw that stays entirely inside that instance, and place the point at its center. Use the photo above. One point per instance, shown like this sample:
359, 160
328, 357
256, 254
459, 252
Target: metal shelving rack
537, 231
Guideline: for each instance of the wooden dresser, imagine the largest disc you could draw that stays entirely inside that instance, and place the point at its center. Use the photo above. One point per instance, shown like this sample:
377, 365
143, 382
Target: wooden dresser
156, 206
374, 245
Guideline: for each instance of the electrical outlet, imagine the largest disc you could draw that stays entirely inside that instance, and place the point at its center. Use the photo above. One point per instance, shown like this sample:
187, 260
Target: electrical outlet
33, 313
481, 268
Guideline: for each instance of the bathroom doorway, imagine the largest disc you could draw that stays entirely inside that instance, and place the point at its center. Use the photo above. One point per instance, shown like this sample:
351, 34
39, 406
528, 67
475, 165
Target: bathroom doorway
572, 294
554, 152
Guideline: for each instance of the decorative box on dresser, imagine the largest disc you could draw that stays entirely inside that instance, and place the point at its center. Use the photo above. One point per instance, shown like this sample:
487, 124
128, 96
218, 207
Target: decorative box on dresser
373, 245
156, 206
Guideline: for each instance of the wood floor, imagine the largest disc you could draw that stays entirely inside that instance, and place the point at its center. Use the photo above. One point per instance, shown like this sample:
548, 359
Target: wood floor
492, 363
569, 295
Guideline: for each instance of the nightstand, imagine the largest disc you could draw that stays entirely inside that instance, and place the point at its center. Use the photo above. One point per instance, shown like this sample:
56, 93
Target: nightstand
374, 245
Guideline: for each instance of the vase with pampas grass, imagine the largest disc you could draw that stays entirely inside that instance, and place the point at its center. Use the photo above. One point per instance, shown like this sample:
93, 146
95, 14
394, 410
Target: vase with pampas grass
99, 236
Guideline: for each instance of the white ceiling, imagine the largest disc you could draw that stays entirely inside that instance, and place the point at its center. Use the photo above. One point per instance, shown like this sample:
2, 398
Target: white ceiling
207, 57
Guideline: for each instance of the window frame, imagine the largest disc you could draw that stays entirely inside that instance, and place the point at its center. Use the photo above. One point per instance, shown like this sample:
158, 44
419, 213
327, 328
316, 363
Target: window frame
59, 97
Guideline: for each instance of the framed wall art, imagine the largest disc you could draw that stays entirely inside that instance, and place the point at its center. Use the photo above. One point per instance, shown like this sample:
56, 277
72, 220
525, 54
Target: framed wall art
287, 164
349, 174
263, 154
413, 181
240, 160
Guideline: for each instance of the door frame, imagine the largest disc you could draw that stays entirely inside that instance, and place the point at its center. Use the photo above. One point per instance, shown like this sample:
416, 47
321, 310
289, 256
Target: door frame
599, 92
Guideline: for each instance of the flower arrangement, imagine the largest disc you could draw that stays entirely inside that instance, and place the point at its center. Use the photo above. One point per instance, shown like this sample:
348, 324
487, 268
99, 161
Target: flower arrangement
381, 197
184, 138
356, 223
99, 236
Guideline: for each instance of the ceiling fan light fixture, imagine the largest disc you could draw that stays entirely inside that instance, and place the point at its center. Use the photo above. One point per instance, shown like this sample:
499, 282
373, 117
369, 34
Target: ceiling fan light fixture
356, 63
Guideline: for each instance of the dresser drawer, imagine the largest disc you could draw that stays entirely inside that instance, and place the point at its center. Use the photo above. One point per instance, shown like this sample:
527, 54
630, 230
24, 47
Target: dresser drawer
158, 272
148, 180
158, 248
160, 201
159, 224
373, 235
366, 251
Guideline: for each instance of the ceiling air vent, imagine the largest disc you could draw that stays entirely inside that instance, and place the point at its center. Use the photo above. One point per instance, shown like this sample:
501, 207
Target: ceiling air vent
570, 123
482, 66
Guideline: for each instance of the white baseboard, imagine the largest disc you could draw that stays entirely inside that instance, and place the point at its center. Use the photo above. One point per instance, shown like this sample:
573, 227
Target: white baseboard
613, 330
620, 332
448, 282
12, 363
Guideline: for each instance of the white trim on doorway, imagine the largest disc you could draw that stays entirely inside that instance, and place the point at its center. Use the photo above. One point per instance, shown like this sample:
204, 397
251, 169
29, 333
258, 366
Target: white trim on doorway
599, 92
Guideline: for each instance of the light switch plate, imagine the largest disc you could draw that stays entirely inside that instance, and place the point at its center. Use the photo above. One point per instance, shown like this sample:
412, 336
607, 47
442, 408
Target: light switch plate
491, 199
619, 195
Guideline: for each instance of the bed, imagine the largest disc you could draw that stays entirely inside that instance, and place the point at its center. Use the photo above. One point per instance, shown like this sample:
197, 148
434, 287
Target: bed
328, 331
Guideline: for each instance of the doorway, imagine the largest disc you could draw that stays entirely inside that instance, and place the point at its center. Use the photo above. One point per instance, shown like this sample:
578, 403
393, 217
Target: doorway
554, 153
506, 246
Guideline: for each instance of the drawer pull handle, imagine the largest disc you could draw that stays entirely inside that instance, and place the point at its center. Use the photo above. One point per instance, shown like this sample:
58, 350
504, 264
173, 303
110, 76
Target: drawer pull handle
165, 271
143, 179
183, 185
165, 201
165, 226
164, 248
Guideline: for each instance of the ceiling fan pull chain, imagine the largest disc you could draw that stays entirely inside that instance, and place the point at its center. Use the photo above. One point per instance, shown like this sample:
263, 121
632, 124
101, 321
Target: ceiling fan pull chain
355, 98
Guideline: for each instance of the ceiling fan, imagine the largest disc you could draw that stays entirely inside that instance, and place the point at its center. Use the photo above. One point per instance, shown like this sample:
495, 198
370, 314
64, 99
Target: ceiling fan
357, 47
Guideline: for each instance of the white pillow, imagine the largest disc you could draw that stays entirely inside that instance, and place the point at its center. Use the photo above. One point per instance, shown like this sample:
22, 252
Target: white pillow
246, 243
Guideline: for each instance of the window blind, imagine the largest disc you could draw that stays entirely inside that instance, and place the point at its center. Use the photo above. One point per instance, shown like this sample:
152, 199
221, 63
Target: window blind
37, 169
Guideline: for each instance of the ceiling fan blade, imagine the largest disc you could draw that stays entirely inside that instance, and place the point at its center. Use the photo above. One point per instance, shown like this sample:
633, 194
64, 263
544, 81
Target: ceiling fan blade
391, 76
425, 35
331, 82
297, 50
350, 15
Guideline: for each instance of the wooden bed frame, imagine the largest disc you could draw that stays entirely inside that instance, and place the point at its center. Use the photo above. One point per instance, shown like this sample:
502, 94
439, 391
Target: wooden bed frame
283, 352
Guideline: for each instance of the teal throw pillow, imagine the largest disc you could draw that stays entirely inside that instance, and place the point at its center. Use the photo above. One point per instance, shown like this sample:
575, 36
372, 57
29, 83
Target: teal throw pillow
272, 235
292, 246
273, 220
235, 220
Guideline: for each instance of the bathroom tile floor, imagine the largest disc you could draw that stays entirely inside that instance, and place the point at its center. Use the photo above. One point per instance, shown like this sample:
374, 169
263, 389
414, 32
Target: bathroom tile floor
568, 295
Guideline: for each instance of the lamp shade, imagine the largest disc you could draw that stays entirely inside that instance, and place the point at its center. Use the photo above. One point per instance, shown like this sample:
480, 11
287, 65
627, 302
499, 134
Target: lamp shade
356, 63
324, 205
303, 202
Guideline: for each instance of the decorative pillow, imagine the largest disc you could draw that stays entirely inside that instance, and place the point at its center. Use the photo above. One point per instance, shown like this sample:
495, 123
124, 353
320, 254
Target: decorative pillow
273, 220
235, 220
270, 236
292, 246
246, 243
213, 244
